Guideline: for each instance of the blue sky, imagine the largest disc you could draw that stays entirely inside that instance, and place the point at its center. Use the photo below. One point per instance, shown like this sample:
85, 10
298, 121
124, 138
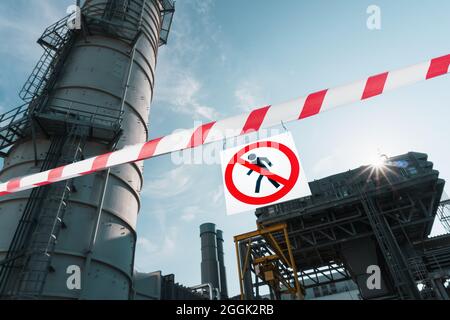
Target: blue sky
225, 57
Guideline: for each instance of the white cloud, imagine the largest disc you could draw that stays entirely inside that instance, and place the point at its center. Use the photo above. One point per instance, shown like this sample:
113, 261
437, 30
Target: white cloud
182, 95
190, 213
179, 86
248, 95
217, 195
23, 29
169, 184
186, 87
337, 160
187, 217
206, 112
169, 241
203, 6
324, 166
146, 245
22, 22
164, 247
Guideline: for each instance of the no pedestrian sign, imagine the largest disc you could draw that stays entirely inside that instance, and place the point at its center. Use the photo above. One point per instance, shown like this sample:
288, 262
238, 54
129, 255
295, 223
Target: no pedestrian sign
261, 173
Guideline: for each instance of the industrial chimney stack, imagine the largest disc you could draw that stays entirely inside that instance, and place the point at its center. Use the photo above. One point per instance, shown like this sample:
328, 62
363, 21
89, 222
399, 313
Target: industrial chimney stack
212, 265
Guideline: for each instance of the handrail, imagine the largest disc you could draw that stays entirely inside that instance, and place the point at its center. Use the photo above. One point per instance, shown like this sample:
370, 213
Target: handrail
101, 113
75, 108
95, 13
87, 104
12, 114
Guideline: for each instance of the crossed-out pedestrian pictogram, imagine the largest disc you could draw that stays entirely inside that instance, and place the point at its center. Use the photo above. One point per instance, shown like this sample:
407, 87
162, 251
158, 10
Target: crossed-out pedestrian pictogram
282, 185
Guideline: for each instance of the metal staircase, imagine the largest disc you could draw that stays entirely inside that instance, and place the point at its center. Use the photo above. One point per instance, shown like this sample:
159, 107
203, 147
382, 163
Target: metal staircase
54, 40
47, 220
14, 125
399, 269
57, 41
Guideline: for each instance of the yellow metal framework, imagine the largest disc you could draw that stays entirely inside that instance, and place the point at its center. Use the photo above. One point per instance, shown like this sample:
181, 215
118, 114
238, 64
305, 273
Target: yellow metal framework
269, 260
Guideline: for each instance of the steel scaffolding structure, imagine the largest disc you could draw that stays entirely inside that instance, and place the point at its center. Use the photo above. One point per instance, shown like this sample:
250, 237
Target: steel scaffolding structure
259, 252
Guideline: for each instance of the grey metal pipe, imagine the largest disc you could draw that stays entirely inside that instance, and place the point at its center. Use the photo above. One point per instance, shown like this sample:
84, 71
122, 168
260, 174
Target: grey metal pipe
87, 262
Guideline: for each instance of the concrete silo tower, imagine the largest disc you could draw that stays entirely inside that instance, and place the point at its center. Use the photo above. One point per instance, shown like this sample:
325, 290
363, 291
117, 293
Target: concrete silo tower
89, 94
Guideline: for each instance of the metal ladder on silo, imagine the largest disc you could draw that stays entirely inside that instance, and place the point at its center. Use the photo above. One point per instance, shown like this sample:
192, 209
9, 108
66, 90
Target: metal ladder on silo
399, 269
50, 221
27, 221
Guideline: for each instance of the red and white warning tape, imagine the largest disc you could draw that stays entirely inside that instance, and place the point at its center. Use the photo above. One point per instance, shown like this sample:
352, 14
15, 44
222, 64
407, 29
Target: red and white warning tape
265, 117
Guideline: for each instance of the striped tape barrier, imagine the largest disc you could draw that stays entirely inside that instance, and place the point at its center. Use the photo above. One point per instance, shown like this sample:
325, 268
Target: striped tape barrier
255, 120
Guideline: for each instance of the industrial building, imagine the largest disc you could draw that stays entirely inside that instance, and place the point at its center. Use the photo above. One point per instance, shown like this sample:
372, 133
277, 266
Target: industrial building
89, 94
378, 216
155, 286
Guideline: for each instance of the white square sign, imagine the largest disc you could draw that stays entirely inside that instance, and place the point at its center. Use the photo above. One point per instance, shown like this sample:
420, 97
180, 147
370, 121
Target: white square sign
262, 173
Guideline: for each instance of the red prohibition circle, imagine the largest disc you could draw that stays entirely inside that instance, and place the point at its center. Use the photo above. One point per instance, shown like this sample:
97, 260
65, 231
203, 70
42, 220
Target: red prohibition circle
295, 171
